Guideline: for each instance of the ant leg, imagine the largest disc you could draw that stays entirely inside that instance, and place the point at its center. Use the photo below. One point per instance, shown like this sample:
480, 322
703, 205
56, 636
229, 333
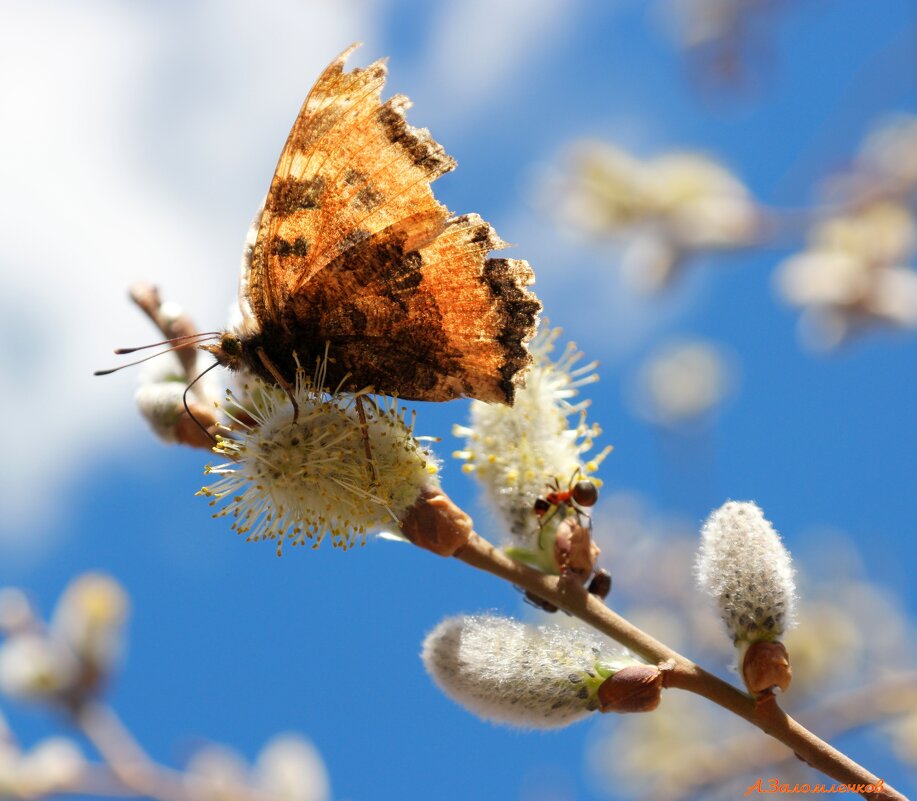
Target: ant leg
543, 522
281, 381
580, 514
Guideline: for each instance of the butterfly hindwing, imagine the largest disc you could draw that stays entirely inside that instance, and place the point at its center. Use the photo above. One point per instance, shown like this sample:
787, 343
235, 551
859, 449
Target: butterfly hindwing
437, 322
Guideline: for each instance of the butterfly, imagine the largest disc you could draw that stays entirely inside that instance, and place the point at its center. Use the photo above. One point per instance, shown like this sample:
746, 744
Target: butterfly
352, 252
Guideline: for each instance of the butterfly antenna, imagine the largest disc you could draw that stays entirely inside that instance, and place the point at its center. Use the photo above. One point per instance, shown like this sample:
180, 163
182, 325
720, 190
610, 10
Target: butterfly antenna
151, 356
174, 340
184, 400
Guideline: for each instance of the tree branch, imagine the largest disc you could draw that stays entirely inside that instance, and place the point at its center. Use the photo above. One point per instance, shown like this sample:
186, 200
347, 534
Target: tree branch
685, 675
836, 715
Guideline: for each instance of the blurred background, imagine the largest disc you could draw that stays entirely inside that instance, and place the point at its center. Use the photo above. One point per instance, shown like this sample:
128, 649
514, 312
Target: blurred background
751, 300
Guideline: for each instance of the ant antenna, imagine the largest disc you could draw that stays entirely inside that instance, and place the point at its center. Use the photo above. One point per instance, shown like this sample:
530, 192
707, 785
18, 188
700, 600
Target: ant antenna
184, 400
121, 351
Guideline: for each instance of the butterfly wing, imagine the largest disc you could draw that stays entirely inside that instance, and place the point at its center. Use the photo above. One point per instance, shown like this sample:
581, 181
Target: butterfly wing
433, 323
353, 249
350, 167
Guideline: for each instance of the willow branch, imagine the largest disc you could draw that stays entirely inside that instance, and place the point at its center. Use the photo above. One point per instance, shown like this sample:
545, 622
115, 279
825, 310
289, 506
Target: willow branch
684, 674
171, 322
133, 771
836, 715
129, 763
96, 780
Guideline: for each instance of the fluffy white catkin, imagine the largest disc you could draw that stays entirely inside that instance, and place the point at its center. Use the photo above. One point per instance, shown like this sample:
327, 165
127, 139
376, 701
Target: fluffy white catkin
515, 452
301, 481
518, 674
743, 564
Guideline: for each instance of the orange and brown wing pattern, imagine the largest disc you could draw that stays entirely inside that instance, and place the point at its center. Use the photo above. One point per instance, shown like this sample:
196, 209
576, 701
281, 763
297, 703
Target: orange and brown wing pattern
354, 252
351, 167
431, 323
487, 313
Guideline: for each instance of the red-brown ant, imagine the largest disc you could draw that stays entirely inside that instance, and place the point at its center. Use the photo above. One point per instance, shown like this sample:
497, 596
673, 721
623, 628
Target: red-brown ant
578, 496
574, 551
582, 493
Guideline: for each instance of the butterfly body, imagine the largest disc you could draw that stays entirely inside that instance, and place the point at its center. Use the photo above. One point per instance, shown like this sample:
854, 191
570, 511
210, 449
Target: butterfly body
352, 252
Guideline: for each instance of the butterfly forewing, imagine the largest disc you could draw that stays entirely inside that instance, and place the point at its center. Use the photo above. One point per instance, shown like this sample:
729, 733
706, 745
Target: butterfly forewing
353, 250
351, 167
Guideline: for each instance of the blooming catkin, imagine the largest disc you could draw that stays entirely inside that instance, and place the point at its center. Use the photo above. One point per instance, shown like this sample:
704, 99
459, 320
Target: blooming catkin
35, 667
522, 675
90, 620
53, 765
289, 768
300, 477
161, 404
517, 451
745, 567
666, 208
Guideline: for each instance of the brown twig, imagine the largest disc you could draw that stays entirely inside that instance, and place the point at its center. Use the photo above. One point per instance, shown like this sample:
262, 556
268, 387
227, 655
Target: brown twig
684, 674
172, 324
130, 771
129, 763
196, 425
836, 715
96, 780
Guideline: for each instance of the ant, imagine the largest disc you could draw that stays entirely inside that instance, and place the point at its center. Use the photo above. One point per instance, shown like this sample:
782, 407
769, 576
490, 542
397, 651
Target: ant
578, 496
574, 551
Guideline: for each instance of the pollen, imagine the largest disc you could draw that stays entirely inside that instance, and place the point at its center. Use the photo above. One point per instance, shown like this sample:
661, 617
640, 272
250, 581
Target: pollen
517, 451
298, 478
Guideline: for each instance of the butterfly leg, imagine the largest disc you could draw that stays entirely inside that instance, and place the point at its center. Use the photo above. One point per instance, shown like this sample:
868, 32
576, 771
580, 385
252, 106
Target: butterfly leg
281, 381
361, 413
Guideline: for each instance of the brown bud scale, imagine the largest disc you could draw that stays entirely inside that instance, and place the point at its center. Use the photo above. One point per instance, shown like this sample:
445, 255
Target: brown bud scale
636, 688
766, 665
434, 522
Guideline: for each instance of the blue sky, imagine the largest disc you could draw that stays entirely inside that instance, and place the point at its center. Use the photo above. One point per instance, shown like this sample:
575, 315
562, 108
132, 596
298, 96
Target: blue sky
141, 139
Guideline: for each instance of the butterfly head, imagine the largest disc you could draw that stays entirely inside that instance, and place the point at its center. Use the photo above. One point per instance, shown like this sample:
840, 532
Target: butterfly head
229, 351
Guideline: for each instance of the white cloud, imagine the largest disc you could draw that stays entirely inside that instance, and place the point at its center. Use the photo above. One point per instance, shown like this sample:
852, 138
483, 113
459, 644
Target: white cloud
128, 142
476, 48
